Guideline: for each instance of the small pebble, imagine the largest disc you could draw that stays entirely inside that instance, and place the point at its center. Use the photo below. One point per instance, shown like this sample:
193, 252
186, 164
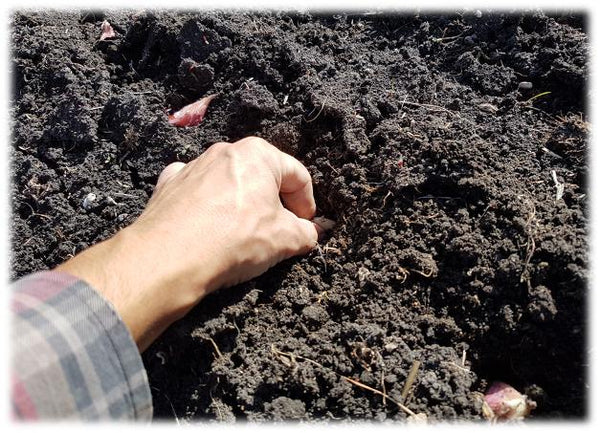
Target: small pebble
390, 347
525, 85
363, 273
89, 200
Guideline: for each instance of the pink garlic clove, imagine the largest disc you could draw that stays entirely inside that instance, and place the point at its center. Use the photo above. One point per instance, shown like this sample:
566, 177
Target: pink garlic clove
503, 402
107, 31
192, 114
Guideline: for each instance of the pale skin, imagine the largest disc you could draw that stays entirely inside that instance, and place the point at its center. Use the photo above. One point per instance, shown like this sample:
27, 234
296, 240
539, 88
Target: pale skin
222, 219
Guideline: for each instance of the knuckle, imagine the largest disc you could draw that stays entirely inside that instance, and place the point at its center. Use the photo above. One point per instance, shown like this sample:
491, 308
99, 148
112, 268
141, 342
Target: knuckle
252, 144
225, 150
257, 149
219, 146
255, 141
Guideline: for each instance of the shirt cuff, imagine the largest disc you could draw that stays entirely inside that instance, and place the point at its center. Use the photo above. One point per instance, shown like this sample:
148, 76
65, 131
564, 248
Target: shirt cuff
73, 357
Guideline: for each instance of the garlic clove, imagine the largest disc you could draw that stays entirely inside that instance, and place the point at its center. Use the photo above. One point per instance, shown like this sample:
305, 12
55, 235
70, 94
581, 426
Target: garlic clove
192, 114
503, 402
325, 223
107, 31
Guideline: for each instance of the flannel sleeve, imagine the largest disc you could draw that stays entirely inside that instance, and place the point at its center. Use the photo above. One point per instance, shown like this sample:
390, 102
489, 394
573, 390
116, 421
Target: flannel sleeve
72, 356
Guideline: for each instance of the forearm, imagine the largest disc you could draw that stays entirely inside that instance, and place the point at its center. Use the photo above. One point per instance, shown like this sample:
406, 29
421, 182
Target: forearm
149, 297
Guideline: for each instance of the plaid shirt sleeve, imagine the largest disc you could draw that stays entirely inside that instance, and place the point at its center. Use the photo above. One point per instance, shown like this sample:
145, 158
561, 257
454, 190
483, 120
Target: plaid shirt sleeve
72, 355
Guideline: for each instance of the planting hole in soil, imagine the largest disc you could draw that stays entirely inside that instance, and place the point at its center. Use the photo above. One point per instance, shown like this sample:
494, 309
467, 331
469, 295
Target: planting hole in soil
448, 157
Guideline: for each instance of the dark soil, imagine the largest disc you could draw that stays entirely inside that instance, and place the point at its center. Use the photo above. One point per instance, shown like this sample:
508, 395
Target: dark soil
451, 243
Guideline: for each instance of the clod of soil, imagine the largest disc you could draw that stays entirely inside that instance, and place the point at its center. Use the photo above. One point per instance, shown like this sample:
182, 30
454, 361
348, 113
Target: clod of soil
453, 245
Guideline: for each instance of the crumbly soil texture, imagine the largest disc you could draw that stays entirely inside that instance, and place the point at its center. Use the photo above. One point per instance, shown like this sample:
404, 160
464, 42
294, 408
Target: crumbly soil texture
450, 149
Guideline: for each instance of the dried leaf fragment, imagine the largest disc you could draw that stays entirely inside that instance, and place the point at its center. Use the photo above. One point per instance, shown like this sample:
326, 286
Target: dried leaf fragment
503, 402
107, 31
192, 114
488, 108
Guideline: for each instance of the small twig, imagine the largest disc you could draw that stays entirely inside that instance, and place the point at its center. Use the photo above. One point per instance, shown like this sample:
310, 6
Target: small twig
34, 213
125, 155
111, 200
220, 355
318, 114
236, 328
427, 274
368, 388
410, 379
533, 98
124, 195
447, 38
384, 199
414, 136
552, 154
430, 107
428, 197
333, 250
170, 403
322, 297
294, 357
560, 187
549, 116
530, 244
454, 364
245, 83
335, 170
142, 93
404, 273
123, 185
217, 405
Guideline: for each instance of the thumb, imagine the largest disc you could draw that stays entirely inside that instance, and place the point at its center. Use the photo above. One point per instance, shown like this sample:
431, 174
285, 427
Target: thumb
168, 173
304, 234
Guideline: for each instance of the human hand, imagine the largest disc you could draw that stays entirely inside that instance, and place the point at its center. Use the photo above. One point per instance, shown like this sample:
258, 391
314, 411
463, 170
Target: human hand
212, 223
230, 196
